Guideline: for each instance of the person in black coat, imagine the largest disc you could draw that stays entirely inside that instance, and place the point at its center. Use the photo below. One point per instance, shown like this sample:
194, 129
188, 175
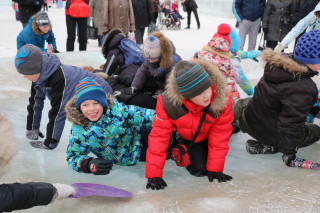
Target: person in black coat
16, 196
275, 116
277, 20
142, 17
191, 6
28, 8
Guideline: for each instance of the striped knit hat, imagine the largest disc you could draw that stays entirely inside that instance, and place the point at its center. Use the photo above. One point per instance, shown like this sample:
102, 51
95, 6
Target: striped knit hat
191, 78
307, 49
151, 48
88, 89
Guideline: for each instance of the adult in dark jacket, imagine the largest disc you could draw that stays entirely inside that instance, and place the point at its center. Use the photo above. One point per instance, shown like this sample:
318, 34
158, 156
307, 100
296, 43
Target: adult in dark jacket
275, 116
191, 6
249, 14
277, 20
28, 8
142, 17
16, 196
50, 78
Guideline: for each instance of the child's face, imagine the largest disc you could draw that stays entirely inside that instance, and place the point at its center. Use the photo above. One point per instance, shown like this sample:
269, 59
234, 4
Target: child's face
203, 99
153, 60
44, 29
92, 110
33, 77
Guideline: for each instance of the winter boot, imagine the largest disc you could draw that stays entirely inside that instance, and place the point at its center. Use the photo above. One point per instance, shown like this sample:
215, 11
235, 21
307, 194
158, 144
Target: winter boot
255, 147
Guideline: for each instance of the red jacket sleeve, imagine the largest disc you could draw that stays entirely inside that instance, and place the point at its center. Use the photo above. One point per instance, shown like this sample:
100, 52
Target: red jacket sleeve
158, 143
218, 139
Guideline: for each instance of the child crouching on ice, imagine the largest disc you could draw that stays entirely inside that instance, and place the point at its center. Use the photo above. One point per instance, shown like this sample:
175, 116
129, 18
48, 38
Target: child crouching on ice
194, 87
114, 132
16, 196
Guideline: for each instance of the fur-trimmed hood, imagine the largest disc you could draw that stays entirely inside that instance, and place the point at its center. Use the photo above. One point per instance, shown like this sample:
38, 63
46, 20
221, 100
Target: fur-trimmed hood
8, 146
35, 27
167, 50
111, 41
218, 79
75, 116
280, 68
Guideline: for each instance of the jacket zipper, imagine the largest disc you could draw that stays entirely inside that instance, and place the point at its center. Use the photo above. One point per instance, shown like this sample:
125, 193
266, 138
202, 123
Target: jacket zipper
113, 154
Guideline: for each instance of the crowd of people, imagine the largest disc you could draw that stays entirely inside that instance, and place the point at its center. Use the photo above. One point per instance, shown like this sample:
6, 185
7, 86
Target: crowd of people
150, 106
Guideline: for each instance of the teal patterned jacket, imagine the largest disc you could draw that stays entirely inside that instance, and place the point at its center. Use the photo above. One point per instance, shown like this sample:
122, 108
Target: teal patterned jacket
115, 136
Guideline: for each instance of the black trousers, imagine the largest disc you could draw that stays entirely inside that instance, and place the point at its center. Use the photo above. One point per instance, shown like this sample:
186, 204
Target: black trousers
195, 15
198, 155
138, 34
272, 44
71, 31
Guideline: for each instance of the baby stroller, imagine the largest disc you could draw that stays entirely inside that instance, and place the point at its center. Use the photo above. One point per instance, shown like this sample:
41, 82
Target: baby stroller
165, 18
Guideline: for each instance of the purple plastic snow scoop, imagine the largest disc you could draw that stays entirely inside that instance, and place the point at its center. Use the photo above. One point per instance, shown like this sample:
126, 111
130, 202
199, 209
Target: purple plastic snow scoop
92, 189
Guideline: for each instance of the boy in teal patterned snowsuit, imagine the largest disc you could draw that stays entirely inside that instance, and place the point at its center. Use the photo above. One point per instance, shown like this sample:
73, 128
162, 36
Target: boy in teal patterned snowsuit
106, 128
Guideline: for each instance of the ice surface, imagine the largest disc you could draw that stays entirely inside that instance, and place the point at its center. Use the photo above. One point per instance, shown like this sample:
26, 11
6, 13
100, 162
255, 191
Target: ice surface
261, 183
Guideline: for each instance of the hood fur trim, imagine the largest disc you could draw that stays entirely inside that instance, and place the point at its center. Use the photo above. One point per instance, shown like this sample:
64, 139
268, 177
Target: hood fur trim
219, 53
278, 60
75, 116
166, 50
107, 39
8, 146
218, 79
35, 27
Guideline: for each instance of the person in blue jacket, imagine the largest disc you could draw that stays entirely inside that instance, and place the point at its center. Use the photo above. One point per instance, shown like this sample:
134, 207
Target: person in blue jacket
112, 131
249, 14
38, 31
51, 79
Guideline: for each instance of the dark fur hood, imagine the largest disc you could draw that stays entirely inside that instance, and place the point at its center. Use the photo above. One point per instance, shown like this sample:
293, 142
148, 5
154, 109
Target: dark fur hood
75, 116
283, 68
111, 41
218, 79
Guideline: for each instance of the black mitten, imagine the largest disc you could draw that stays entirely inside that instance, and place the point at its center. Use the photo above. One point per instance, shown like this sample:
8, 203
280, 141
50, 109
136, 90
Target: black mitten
218, 175
97, 166
156, 183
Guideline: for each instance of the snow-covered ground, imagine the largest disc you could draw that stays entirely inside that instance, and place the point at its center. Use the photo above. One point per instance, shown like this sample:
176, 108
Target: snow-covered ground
261, 183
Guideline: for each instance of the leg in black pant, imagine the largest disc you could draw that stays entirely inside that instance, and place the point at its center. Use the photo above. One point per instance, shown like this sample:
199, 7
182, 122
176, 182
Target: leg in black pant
82, 30
71, 31
197, 17
198, 154
144, 131
188, 19
139, 35
272, 44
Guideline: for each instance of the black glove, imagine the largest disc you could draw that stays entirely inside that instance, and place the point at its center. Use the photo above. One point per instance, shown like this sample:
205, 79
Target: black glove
288, 158
218, 175
129, 90
97, 166
56, 51
156, 183
315, 111
51, 143
265, 30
